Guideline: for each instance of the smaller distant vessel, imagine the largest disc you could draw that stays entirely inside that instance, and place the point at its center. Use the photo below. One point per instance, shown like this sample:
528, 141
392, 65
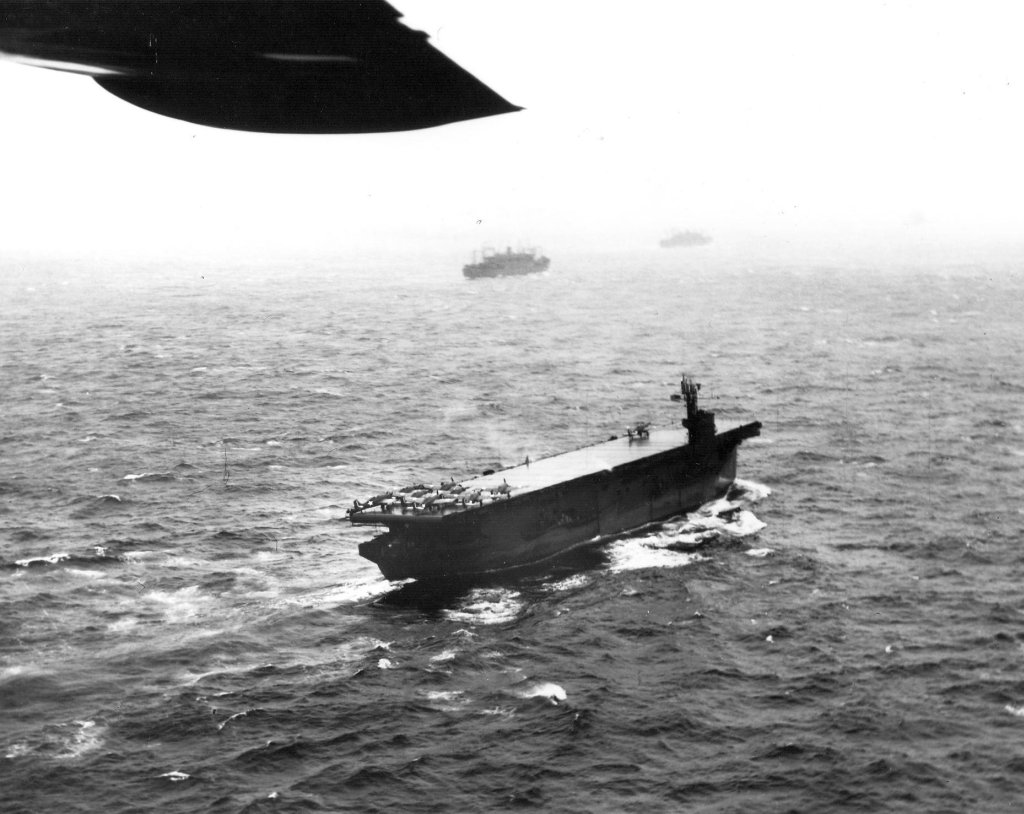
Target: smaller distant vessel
687, 238
489, 263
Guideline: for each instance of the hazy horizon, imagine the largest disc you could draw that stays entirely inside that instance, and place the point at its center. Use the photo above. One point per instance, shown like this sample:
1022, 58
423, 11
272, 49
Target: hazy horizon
785, 122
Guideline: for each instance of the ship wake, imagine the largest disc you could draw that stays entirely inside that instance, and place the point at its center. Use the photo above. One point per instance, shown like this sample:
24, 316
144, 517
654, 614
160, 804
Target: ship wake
680, 540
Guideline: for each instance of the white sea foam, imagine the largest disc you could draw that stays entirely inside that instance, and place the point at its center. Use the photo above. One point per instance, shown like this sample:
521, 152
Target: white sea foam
447, 700
444, 695
85, 573
139, 556
231, 718
15, 671
633, 554
16, 750
358, 590
759, 552
123, 625
568, 584
53, 559
1017, 712
180, 606
444, 656
671, 544
488, 607
753, 491
78, 738
175, 777
501, 712
743, 524
544, 689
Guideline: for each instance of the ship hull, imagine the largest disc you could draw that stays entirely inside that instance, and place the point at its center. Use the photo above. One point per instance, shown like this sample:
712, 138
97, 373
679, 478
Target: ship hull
538, 526
479, 270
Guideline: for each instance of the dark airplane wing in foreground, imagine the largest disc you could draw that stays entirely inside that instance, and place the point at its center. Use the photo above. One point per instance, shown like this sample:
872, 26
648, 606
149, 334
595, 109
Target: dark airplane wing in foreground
333, 66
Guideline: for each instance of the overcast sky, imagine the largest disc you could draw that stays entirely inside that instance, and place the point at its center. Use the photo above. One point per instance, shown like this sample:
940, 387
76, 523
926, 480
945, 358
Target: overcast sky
775, 117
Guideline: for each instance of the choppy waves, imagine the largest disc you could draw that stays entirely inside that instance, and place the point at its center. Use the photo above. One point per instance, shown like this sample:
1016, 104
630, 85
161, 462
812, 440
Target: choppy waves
187, 624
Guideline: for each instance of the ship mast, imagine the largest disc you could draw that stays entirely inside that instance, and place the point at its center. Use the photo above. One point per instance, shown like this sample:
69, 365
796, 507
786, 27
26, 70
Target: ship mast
699, 423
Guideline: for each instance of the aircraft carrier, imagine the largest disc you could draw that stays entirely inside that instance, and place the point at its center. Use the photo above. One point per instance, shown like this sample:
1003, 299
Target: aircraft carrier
538, 510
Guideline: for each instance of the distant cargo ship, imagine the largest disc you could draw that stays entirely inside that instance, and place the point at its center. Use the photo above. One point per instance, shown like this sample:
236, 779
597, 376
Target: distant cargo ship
538, 510
685, 239
490, 263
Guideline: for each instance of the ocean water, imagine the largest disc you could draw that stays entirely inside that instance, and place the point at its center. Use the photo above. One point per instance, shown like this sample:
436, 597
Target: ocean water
187, 625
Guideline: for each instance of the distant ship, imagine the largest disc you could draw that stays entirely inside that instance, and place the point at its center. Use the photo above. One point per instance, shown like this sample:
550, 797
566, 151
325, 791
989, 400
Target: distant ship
685, 239
539, 510
490, 263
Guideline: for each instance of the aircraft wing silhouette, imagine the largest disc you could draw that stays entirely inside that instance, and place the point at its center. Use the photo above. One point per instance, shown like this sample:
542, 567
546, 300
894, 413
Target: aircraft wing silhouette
306, 66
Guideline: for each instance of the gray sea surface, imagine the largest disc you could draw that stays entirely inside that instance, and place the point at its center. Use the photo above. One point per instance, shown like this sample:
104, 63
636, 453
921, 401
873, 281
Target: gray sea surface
187, 626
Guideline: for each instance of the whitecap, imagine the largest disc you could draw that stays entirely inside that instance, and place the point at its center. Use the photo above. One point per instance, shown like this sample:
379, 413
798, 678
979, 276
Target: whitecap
1017, 712
741, 523
759, 552
123, 625
138, 556
502, 712
752, 491
176, 777
444, 695
488, 607
228, 720
85, 573
149, 476
447, 700
357, 591
79, 738
545, 689
15, 670
744, 524
178, 606
636, 553
385, 664
53, 559
17, 750
568, 584
445, 655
